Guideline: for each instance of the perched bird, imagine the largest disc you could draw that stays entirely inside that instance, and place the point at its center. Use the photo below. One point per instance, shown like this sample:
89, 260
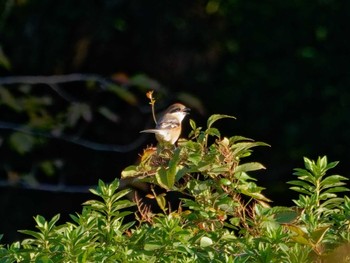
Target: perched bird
168, 128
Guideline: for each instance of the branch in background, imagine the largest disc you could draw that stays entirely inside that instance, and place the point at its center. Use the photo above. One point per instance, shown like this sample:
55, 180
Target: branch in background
59, 188
76, 140
54, 79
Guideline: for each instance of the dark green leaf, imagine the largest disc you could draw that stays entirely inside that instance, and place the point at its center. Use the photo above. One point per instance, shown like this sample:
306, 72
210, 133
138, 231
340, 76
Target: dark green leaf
123, 93
22, 143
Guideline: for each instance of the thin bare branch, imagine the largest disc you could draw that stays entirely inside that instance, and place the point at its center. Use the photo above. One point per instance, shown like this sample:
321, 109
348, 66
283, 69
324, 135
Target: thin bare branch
61, 188
75, 139
53, 79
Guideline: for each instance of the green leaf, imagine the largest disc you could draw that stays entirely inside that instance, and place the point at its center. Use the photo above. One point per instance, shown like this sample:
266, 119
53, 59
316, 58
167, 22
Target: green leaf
4, 61
337, 189
151, 246
162, 178
108, 114
43, 259
333, 180
325, 196
22, 143
193, 124
53, 221
161, 201
246, 167
308, 164
130, 171
318, 234
36, 235
173, 167
224, 181
213, 118
286, 217
9, 100
242, 149
235, 139
300, 190
213, 132
332, 165
123, 93
77, 111
206, 242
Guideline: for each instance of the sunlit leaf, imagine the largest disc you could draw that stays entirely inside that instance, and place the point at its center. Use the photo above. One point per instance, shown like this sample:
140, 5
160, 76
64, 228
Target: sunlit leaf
130, 171
193, 124
161, 201
246, 167
215, 117
213, 132
206, 242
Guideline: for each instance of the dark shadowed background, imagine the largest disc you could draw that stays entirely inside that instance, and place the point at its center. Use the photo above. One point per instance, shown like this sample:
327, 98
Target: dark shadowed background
280, 67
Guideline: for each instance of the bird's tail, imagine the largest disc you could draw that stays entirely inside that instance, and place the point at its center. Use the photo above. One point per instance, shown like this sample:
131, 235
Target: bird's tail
150, 131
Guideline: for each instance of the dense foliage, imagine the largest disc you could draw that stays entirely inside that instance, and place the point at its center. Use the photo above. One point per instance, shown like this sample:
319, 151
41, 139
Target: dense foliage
281, 67
223, 215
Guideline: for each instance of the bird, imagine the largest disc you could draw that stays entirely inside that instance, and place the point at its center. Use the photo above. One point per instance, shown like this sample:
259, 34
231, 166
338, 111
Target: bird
168, 127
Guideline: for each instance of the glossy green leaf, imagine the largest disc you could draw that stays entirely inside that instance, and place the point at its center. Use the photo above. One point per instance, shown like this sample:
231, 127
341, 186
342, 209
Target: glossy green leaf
193, 124
215, 117
161, 201
130, 171
338, 189
206, 242
247, 167
213, 132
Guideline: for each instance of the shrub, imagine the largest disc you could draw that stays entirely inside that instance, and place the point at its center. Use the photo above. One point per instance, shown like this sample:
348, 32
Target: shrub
223, 216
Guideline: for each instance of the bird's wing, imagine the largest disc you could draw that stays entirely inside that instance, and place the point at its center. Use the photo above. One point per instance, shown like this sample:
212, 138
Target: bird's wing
168, 124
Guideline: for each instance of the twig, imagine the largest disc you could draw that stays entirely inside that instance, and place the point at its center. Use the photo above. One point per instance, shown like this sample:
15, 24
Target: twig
74, 139
149, 95
54, 79
49, 187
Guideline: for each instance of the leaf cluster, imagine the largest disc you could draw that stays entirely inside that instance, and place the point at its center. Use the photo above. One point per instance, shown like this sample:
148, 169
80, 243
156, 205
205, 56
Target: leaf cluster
223, 215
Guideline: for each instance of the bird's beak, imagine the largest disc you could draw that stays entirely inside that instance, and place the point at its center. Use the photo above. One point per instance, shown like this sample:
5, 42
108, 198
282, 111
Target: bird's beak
187, 110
